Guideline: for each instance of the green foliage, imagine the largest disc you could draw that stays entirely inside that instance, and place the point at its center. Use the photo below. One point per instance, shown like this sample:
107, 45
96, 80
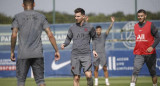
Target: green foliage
68, 18
60, 17
4, 19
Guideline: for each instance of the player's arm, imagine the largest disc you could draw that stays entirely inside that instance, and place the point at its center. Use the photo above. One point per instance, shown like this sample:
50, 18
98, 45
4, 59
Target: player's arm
110, 27
94, 48
53, 42
13, 42
68, 39
93, 36
154, 32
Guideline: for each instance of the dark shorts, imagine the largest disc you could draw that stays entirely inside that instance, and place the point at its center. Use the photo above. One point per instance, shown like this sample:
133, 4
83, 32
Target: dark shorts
100, 60
78, 62
150, 61
22, 67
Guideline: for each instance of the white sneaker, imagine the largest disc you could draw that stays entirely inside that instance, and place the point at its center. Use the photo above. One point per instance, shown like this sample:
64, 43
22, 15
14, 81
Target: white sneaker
132, 84
107, 84
96, 84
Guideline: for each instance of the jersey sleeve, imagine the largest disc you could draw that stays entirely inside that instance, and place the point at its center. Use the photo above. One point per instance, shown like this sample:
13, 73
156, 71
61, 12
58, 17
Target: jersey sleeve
94, 44
14, 23
45, 22
93, 33
154, 32
68, 38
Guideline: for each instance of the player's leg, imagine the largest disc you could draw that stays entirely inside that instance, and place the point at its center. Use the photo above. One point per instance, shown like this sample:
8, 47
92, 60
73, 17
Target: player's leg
106, 75
22, 67
38, 70
86, 64
96, 75
138, 63
151, 64
76, 79
89, 78
96, 67
103, 62
75, 69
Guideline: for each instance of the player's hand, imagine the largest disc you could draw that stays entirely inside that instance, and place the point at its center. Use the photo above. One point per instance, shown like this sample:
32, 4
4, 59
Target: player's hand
12, 57
149, 49
62, 46
57, 56
112, 19
86, 18
95, 54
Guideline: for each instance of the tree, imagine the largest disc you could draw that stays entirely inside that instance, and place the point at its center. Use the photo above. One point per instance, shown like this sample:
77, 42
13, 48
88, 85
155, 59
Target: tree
4, 19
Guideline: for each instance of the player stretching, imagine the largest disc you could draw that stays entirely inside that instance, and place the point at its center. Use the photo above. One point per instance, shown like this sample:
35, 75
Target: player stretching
99, 47
29, 26
81, 33
147, 39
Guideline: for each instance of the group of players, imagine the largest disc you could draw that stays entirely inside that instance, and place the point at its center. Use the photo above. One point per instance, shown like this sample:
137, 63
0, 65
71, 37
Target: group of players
29, 24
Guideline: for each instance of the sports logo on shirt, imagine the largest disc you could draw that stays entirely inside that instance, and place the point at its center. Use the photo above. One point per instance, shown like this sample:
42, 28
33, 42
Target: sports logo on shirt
127, 35
141, 37
85, 29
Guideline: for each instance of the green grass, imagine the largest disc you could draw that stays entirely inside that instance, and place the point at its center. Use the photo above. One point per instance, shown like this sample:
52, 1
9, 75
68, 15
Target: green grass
114, 81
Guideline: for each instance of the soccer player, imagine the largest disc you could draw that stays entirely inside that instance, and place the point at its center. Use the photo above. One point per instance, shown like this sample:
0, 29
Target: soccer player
81, 33
28, 25
99, 47
147, 38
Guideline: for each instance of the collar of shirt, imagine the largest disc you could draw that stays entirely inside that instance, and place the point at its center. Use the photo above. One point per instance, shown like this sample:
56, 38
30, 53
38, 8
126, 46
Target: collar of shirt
78, 24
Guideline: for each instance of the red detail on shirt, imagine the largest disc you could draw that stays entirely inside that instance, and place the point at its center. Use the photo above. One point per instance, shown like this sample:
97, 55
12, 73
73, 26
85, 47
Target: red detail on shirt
85, 29
144, 39
72, 68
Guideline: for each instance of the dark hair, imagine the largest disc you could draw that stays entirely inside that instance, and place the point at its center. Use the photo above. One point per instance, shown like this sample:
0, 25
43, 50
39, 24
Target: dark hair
28, 1
98, 27
79, 10
142, 11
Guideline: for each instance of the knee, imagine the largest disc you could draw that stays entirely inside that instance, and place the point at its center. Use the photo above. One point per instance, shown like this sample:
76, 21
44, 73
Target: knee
96, 69
152, 73
136, 71
104, 68
89, 75
76, 78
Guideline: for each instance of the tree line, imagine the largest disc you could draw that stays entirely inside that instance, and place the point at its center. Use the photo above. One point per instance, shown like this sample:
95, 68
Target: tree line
68, 18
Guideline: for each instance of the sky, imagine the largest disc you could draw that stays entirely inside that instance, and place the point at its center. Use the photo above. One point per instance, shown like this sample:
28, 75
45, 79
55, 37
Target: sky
12, 7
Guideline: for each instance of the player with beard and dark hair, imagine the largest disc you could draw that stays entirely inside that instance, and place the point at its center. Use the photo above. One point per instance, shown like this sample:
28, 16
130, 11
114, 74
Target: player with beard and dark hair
147, 38
81, 33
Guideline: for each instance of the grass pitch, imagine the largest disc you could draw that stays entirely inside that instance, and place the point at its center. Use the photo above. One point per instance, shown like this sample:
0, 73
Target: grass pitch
68, 81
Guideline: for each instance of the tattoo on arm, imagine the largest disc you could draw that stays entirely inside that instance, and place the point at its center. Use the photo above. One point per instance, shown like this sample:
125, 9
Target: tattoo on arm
13, 39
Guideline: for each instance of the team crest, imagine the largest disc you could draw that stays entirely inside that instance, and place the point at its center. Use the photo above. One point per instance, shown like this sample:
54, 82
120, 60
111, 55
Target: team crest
85, 29
127, 35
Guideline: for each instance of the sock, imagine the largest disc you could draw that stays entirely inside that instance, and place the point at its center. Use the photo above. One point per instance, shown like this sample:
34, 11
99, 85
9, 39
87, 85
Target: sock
132, 84
89, 81
154, 84
107, 81
96, 81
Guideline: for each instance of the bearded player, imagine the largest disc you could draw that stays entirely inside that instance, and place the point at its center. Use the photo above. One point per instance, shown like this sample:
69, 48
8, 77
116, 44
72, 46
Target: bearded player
147, 39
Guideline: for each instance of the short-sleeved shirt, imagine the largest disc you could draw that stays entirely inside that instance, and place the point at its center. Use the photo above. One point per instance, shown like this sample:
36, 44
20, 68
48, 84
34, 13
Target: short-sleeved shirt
99, 43
81, 36
30, 25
